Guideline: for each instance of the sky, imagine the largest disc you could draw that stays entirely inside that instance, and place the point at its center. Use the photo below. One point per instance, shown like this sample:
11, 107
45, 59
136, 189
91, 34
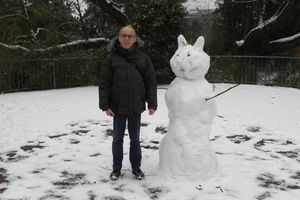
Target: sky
56, 144
191, 5
196, 5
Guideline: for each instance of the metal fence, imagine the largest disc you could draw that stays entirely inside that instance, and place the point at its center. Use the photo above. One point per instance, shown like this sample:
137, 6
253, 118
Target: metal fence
38, 74
273, 71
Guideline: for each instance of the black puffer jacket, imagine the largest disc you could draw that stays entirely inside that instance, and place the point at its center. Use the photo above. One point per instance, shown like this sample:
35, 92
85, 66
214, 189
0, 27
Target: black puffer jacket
127, 81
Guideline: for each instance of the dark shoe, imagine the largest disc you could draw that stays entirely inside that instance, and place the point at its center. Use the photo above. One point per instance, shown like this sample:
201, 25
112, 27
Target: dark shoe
139, 175
115, 174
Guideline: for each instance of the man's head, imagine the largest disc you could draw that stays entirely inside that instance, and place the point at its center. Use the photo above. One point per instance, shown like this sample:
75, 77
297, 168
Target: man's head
127, 37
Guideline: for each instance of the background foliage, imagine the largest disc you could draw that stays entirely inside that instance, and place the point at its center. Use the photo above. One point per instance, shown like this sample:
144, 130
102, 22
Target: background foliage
37, 29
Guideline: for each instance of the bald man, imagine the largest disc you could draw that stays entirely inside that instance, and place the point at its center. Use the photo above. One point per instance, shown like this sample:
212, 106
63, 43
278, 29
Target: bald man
127, 83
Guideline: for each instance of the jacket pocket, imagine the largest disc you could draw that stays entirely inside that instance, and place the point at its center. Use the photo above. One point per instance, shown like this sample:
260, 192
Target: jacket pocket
139, 103
123, 100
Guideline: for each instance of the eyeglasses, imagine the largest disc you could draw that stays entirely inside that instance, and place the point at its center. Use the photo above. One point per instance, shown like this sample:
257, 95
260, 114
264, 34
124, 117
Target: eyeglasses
127, 36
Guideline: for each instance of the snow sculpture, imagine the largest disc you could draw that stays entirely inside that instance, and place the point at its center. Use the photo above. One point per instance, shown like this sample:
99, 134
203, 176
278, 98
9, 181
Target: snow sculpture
186, 149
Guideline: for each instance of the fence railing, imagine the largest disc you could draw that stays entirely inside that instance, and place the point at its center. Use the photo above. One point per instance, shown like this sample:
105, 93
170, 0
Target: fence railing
274, 71
38, 74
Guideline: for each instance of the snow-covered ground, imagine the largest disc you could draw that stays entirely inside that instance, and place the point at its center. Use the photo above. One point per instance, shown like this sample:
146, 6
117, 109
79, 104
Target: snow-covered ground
56, 144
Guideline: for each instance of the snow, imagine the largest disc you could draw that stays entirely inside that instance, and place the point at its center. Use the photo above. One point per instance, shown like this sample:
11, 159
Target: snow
240, 43
255, 136
186, 149
14, 47
35, 34
79, 5
190, 5
76, 42
263, 24
196, 5
286, 39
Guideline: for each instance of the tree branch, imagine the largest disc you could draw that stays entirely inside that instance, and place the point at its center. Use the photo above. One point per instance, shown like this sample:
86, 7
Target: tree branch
13, 15
114, 9
280, 25
92, 42
35, 34
284, 43
86, 43
243, 2
14, 47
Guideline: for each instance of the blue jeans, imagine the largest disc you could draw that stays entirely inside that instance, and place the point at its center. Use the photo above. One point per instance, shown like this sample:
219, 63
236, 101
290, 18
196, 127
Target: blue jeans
119, 126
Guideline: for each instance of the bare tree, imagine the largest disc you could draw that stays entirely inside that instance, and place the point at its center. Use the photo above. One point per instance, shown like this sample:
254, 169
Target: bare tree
284, 25
24, 42
114, 9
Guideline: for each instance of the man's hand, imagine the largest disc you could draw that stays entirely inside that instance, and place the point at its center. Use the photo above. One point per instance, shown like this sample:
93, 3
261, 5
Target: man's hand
151, 111
109, 112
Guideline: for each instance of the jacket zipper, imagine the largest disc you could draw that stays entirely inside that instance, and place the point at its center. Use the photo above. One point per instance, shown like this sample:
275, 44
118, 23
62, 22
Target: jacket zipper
129, 88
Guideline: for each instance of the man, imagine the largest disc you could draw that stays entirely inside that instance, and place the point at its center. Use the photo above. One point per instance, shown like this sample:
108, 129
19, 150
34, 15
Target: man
127, 81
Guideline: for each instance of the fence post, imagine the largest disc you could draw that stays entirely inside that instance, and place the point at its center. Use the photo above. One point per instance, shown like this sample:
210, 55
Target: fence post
54, 74
298, 77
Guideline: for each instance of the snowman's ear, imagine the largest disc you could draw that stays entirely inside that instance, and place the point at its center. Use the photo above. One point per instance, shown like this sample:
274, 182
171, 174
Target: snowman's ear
199, 43
181, 41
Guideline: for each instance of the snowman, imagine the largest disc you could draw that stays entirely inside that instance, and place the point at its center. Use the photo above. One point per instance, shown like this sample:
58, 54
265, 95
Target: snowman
186, 149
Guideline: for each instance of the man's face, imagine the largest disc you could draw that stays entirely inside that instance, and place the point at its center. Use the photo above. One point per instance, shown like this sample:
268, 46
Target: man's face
127, 37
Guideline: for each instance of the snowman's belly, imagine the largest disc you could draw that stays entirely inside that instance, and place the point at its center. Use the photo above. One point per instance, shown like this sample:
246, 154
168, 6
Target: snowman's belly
190, 103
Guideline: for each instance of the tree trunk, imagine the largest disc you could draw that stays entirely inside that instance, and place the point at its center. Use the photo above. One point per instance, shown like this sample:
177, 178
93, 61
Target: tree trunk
229, 28
114, 10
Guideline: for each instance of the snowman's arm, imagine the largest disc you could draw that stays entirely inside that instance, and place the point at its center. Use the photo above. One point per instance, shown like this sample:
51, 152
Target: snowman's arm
209, 98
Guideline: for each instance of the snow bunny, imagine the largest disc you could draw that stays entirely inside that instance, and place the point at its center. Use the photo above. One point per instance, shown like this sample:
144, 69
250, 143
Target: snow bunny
186, 149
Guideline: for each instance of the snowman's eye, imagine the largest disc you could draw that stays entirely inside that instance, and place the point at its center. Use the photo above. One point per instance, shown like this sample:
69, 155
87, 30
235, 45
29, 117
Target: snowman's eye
177, 55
